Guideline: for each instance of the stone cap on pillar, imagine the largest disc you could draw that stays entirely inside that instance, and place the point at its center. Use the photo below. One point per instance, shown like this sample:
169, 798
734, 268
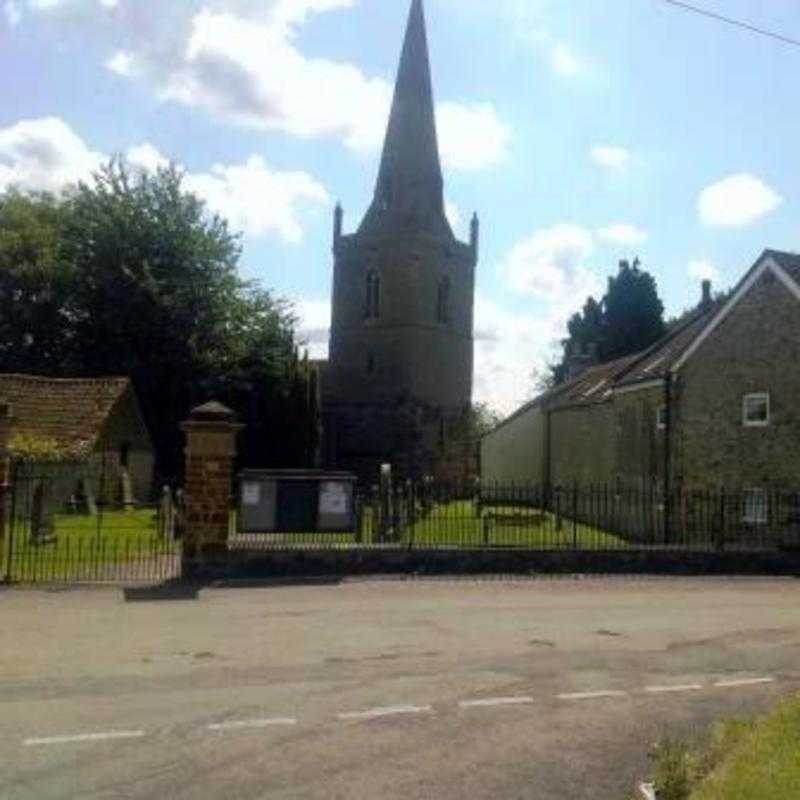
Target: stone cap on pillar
212, 416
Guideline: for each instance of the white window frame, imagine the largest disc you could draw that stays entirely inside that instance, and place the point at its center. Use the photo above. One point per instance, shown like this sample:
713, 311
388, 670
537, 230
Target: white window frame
661, 424
755, 512
756, 423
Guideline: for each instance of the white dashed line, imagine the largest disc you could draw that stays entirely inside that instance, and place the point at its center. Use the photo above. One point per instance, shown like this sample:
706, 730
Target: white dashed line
689, 687
591, 695
390, 711
496, 701
235, 725
742, 682
84, 737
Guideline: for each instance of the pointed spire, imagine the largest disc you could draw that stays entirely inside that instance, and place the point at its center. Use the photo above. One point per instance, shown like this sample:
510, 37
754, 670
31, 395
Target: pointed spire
409, 190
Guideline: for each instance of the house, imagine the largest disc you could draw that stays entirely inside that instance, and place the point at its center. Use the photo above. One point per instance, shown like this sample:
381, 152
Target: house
93, 426
712, 404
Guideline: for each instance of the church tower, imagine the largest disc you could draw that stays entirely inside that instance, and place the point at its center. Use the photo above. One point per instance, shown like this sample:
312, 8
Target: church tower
399, 376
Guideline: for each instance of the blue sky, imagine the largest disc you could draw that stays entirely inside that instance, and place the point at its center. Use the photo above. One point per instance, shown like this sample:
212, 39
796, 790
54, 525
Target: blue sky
582, 131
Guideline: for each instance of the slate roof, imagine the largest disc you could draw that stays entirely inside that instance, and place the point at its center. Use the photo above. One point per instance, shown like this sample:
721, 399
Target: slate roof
593, 384
656, 361
789, 261
69, 411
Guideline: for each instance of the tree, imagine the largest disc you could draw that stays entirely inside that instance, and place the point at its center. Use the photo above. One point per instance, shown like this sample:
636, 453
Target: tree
128, 274
633, 312
629, 318
36, 284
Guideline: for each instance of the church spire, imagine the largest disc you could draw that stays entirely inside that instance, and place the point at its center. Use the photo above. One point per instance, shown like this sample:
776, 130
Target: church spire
409, 190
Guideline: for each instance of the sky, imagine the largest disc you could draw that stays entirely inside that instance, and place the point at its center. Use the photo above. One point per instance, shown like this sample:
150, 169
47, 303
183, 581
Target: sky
581, 131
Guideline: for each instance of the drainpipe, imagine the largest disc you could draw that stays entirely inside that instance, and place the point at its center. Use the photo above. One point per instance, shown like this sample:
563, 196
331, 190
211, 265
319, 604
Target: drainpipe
667, 458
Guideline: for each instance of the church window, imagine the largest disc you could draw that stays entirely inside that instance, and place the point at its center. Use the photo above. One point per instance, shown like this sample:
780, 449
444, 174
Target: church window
370, 364
372, 309
443, 302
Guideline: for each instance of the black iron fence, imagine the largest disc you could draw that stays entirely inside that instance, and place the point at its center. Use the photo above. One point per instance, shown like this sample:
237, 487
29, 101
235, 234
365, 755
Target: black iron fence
66, 523
428, 515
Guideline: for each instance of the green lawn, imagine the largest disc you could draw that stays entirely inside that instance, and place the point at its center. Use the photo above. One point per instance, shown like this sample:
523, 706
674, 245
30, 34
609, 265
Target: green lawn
87, 547
458, 524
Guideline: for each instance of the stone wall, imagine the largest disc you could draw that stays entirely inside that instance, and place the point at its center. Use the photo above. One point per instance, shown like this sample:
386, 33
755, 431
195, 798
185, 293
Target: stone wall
515, 451
638, 442
755, 349
582, 446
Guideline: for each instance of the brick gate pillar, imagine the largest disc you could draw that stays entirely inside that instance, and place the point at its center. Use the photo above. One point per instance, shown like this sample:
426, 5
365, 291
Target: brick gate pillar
210, 452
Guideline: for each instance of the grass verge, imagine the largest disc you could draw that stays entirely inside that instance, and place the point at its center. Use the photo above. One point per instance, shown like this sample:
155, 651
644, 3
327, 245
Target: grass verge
738, 760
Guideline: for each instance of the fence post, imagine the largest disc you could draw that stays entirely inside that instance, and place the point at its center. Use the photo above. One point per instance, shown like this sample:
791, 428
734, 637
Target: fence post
6, 426
722, 514
575, 515
210, 452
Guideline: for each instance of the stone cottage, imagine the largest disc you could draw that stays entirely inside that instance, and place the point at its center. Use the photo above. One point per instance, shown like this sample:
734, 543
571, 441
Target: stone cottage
95, 426
713, 404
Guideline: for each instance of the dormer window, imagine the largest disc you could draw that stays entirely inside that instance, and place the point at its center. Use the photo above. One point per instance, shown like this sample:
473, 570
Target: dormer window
372, 306
443, 302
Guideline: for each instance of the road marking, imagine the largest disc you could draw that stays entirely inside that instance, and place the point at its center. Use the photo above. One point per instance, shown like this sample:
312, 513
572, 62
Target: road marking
743, 682
689, 687
235, 725
390, 711
496, 701
591, 695
84, 737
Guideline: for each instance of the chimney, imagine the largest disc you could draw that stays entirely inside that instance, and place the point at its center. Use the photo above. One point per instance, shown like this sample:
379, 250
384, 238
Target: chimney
579, 360
706, 301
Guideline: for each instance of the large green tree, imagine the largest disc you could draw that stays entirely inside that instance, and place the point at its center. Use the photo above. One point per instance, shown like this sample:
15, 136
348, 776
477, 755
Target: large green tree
628, 318
129, 274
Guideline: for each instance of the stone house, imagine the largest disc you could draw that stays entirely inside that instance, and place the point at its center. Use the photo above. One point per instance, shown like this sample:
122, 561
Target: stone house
712, 404
94, 426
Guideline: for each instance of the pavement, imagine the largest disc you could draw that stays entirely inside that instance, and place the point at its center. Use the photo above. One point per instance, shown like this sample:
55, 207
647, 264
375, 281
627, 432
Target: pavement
547, 688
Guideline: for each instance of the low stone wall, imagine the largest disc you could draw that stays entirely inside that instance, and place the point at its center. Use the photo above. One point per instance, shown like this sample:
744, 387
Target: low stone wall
402, 561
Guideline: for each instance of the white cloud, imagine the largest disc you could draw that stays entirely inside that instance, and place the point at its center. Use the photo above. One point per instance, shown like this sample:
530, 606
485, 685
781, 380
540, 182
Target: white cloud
509, 345
701, 269
737, 200
147, 157
551, 264
471, 136
240, 61
564, 61
46, 154
453, 214
258, 200
314, 326
13, 13
611, 156
122, 63
622, 234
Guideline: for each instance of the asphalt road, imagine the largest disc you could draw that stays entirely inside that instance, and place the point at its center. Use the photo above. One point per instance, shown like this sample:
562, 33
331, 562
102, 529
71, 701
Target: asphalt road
552, 688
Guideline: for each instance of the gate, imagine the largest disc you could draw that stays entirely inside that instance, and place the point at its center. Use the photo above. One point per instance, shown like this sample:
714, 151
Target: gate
65, 523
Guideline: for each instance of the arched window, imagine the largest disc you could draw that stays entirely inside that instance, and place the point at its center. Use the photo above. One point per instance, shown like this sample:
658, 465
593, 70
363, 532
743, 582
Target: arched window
443, 302
372, 308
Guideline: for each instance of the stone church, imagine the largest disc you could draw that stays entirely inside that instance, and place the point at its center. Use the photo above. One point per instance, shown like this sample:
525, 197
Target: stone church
398, 381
